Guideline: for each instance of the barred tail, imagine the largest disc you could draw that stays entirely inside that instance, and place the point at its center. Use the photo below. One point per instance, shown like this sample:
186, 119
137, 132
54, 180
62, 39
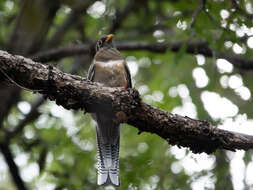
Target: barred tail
108, 157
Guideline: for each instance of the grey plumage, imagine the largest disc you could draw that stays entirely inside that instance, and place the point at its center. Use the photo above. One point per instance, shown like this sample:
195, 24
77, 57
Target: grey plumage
109, 68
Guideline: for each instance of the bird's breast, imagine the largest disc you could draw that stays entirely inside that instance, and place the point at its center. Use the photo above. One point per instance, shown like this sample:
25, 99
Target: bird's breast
111, 73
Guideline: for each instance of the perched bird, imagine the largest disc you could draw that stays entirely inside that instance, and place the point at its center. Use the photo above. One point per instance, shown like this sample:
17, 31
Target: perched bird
109, 68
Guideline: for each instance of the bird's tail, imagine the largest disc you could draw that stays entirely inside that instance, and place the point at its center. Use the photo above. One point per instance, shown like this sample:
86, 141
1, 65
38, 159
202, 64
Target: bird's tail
108, 157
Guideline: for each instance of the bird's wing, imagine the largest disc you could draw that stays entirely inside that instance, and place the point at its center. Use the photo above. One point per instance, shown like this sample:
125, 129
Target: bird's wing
128, 76
91, 72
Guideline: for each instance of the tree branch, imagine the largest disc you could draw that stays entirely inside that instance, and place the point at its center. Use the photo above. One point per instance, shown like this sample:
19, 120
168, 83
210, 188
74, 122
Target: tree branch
26, 37
198, 47
9, 96
59, 53
12, 166
236, 5
121, 15
32, 115
73, 18
75, 92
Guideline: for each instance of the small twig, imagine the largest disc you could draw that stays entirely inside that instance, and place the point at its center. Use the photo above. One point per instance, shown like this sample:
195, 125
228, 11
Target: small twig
18, 85
42, 159
240, 10
216, 22
196, 14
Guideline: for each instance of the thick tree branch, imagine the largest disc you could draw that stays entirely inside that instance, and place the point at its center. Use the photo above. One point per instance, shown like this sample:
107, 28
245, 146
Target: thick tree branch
197, 47
75, 92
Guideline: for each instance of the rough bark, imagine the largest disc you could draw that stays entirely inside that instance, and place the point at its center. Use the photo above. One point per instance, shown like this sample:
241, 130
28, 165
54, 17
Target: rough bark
75, 92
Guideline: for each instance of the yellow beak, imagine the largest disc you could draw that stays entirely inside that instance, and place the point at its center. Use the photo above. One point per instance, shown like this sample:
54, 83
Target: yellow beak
109, 38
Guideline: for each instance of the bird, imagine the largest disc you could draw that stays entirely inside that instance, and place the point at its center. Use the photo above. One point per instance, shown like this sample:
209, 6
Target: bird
109, 68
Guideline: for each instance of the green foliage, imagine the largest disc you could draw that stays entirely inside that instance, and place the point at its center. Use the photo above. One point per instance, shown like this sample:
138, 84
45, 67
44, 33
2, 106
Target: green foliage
62, 144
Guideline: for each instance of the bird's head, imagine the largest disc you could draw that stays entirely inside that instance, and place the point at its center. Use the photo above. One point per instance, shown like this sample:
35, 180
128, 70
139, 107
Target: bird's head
105, 41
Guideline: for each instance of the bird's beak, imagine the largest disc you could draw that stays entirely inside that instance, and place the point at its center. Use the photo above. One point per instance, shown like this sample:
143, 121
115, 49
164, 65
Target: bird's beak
109, 38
